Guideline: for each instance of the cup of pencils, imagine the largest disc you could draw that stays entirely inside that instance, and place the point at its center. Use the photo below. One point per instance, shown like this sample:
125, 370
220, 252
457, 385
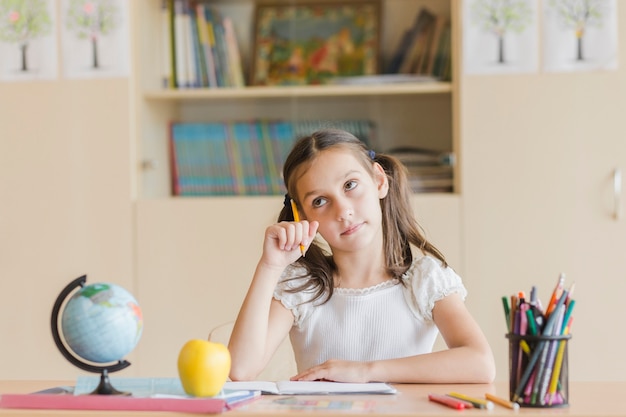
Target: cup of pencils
538, 339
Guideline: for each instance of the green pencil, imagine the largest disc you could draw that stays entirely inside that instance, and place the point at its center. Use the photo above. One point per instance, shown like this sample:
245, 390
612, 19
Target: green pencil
507, 312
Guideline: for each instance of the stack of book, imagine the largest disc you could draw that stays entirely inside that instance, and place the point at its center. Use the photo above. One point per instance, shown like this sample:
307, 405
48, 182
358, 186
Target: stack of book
425, 48
199, 47
428, 170
240, 157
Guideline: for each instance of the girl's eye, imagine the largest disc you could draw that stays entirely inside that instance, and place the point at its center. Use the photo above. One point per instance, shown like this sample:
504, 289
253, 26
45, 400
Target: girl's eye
350, 185
318, 202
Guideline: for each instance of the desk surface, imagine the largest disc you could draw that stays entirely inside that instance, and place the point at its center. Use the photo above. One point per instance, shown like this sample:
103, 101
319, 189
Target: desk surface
587, 399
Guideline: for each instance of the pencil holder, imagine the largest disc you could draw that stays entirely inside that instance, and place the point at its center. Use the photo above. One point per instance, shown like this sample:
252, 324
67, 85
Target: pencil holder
538, 370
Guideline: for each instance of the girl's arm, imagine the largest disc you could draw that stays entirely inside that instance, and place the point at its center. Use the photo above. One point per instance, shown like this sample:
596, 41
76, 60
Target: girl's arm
263, 322
468, 358
261, 326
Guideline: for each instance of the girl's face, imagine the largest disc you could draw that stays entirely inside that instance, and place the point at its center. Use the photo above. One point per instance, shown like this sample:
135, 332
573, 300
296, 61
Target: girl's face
344, 197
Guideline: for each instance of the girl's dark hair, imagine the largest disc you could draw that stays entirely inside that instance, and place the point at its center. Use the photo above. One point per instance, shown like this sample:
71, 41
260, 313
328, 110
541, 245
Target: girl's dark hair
400, 228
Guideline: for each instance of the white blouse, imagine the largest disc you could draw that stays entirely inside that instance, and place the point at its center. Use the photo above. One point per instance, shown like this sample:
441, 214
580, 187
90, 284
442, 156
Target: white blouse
386, 321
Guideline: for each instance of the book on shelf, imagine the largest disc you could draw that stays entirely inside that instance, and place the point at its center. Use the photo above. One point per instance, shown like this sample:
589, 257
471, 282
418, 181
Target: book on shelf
438, 26
278, 138
234, 56
146, 394
435, 185
401, 50
410, 155
166, 52
442, 62
427, 170
240, 157
193, 145
383, 79
251, 175
203, 46
420, 33
311, 387
201, 76
211, 34
424, 48
220, 48
178, 44
206, 46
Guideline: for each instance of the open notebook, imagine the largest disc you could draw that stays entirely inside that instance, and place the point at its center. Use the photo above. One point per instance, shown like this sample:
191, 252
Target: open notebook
311, 387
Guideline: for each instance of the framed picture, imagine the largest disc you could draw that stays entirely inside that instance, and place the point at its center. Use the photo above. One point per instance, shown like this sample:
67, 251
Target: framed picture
301, 43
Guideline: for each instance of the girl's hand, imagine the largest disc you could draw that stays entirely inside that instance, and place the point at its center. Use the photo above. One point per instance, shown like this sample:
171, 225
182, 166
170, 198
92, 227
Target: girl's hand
336, 370
282, 242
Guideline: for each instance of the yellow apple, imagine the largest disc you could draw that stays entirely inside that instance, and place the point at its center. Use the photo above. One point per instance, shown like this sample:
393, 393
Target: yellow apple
203, 367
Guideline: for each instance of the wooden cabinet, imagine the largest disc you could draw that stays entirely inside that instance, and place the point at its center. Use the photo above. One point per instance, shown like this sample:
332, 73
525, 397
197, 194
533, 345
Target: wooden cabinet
78, 197
64, 210
539, 154
196, 259
196, 256
416, 114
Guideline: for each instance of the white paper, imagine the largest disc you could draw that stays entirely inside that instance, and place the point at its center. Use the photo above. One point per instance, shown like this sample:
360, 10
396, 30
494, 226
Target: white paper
311, 387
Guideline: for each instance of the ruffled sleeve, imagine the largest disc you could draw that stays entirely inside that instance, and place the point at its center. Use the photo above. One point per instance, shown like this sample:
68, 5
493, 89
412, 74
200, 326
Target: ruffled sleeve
428, 282
297, 302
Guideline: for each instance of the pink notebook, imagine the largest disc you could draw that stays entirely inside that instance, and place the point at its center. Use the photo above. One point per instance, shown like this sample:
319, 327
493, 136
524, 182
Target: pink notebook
110, 402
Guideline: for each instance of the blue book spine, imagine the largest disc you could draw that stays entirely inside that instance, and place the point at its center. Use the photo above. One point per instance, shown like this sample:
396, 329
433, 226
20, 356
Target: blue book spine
201, 157
212, 19
201, 79
267, 158
247, 160
282, 140
257, 154
225, 175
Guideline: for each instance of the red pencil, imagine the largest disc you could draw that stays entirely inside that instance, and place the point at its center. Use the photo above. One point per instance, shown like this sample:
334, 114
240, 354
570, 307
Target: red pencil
448, 401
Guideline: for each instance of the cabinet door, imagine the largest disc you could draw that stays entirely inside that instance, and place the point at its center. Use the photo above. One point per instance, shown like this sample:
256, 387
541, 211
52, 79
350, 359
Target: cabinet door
196, 257
539, 155
64, 210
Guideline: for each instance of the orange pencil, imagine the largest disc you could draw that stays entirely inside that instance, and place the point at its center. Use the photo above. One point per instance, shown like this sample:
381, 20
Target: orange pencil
296, 217
556, 294
501, 401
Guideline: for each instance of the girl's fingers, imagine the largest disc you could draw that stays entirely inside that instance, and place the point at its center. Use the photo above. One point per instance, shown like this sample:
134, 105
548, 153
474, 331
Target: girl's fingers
293, 235
290, 235
312, 230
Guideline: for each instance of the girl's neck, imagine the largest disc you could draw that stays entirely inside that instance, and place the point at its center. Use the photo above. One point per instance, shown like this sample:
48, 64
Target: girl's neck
360, 272
361, 268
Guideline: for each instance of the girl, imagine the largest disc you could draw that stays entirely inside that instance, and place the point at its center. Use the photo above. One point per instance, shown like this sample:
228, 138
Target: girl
366, 303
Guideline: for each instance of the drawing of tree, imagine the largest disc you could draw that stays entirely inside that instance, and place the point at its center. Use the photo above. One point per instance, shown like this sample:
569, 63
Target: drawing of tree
21, 21
500, 17
92, 19
579, 15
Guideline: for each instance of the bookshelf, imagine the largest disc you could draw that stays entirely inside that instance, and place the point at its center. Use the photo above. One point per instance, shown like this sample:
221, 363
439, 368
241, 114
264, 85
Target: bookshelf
417, 114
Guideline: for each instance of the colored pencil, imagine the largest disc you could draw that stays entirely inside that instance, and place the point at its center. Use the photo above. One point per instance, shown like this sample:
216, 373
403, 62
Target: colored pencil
296, 218
448, 401
501, 401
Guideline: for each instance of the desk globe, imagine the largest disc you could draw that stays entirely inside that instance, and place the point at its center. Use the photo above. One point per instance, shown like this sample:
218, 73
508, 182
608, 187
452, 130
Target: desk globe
100, 324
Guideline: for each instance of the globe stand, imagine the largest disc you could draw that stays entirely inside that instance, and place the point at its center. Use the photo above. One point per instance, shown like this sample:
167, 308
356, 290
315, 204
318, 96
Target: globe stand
105, 387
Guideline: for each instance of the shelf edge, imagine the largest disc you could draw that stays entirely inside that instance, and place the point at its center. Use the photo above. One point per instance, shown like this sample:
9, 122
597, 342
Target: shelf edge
300, 91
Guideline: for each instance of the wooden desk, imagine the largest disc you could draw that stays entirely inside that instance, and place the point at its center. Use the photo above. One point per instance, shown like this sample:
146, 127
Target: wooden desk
587, 399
